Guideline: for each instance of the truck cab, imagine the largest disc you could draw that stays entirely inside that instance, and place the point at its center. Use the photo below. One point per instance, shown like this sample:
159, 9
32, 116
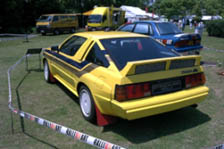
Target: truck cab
105, 18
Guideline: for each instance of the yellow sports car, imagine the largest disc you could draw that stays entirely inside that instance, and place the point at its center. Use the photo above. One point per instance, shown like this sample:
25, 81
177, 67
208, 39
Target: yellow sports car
126, 75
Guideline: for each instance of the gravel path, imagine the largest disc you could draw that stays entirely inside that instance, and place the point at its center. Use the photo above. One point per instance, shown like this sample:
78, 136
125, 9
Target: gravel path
7, 37
206, 48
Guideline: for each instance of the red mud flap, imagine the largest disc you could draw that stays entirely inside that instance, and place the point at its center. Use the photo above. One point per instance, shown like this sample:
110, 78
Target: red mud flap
103, 120
52, 79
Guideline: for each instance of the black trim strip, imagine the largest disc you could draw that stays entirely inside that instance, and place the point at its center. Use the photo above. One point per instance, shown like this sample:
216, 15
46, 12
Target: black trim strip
68, 60
70, 68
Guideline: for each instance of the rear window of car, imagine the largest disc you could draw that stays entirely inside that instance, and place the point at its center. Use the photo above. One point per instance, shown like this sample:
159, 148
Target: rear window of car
168, 28
124, 50
127, 28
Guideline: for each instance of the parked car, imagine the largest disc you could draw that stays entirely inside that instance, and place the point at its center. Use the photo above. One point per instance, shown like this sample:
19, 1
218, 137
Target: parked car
57, 23
168, 34
124, 75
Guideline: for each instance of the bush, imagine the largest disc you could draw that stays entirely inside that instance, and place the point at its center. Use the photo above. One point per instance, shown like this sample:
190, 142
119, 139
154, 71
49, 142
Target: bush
215, 28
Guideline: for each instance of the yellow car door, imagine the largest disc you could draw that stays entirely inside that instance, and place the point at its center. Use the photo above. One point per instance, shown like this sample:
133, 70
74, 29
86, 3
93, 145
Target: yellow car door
66, 67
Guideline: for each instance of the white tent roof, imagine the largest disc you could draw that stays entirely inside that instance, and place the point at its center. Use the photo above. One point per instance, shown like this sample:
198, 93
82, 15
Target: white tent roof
204, 18
152, 16
133, 11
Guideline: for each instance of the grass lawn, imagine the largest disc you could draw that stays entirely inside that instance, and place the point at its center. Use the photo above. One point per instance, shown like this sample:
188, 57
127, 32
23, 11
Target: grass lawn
186, 128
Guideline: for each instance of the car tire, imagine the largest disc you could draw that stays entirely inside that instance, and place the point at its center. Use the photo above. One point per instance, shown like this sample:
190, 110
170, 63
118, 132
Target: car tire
56, 32
47, 73
194, 106
43, 34
87, 104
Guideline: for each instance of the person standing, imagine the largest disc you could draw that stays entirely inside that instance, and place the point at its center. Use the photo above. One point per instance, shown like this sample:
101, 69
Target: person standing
200, 28
195, 27
190, 20
183, 24
180, 24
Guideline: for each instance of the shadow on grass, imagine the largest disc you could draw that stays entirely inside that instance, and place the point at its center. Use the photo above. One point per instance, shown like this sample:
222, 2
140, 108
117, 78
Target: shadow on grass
20, 108
146, 129
67, 92
149, 128
39, 140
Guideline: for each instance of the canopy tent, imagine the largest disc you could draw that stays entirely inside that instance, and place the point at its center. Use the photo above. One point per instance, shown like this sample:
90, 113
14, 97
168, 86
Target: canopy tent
207, 18
135, 13
87, 13
151, 15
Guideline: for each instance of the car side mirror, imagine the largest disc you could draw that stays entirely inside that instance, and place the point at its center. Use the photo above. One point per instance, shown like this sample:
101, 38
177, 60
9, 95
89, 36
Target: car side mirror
55, 48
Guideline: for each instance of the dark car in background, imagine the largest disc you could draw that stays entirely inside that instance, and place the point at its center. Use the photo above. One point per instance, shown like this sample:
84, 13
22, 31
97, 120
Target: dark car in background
168, 34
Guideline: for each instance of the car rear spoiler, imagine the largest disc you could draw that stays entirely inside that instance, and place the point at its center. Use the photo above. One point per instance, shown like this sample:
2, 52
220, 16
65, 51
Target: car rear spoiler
162, 64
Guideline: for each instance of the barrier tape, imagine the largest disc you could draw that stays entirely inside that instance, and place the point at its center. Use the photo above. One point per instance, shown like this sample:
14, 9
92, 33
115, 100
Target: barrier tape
85, 138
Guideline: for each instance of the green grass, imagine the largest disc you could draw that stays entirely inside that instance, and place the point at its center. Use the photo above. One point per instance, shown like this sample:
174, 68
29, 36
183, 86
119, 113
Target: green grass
186, 128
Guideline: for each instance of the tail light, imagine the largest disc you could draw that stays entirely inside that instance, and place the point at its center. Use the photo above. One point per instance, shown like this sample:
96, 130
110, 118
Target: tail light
187, 43
198, 42
181, 43
194, 80
126, 92
164, 41
167, 42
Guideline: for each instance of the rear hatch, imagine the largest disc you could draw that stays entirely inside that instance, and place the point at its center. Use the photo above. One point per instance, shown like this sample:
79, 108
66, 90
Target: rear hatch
160, 76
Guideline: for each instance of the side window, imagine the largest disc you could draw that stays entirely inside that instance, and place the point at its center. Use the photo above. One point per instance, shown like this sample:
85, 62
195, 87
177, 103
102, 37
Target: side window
142, 28
73, 17
72, 45
64, 18
97, 57
127, 28
55, 18
150, 30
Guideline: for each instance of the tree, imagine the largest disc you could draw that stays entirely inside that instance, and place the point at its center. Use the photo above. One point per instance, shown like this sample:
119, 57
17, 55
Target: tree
182, 8
171, 8
214, 7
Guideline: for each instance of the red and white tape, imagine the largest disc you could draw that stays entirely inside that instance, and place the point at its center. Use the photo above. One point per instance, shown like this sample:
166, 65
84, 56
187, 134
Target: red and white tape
85, 138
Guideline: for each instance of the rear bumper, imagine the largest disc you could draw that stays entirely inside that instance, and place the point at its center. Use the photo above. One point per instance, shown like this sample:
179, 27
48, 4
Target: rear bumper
159, 104
188, 49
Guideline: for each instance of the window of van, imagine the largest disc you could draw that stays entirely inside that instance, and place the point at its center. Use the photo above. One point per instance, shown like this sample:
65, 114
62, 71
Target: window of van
73, 17
45, 18
64, 17
55, 18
